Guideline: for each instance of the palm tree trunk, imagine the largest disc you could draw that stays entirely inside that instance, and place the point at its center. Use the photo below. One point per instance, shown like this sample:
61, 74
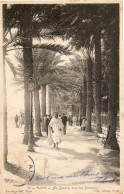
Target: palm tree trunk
27, 110
89, 94
37, 113
5, 133
26, 24
113, 105
52, 104
43, 100
97, 69
48, 100
84, 97
81, 105
28, 74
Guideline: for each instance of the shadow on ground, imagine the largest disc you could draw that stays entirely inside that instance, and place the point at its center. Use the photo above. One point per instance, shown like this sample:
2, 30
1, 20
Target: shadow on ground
16, 170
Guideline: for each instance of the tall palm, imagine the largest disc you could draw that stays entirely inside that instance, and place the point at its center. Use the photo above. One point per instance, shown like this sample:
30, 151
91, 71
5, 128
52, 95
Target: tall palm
44, 66
113, 86
43, 60
84, 69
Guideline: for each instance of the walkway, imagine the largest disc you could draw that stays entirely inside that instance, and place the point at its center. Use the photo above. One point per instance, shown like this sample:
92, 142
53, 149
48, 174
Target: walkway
79, 160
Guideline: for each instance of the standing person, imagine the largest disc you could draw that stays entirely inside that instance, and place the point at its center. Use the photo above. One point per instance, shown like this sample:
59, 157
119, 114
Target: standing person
69, 120
59, 116
50, 117
74, 121
84, 124
44, 122
47, 123
77, 122
64, 121
16, 121
80, 120
21, 120
55, 130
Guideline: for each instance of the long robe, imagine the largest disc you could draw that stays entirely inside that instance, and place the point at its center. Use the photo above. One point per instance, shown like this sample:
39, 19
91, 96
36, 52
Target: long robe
55, 134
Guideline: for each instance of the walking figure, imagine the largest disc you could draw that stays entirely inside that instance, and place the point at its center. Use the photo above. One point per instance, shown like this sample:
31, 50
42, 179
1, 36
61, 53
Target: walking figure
55, 131
74, 121
84, 124
64, 121
47, 123
21, 120
16, 121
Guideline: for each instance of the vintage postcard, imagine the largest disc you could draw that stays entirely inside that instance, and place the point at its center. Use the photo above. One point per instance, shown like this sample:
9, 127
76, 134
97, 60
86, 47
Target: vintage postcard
61, 107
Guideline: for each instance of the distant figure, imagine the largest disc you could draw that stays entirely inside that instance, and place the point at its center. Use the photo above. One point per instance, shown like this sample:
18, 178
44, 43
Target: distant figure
44, 122
55, 131
84, 124
64, 121
21, 120
70, 120
74, 121
16, 121
77, 122
59, 116
47, 123
80, 120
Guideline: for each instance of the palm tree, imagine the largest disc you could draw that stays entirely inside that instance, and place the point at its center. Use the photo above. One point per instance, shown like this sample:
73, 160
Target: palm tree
113, 86
97, 73
89, 92
44, 66
5, 30
82, 26
5, 114
42, 63
84, 69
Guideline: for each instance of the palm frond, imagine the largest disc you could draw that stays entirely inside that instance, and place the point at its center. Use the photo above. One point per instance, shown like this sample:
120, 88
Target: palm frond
49, 46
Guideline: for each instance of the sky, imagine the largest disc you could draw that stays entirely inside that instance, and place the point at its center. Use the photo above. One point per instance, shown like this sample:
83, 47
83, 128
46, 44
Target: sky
15, 97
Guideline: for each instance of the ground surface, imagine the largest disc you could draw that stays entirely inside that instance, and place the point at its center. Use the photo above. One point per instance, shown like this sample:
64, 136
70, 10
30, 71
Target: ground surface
80, 160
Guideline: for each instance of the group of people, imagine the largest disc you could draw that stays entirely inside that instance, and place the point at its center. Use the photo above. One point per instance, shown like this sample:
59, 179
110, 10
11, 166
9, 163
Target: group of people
78, 121
55, 126
19, 120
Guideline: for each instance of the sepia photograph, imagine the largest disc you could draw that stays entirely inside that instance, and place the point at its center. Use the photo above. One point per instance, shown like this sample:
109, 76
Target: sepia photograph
61, 107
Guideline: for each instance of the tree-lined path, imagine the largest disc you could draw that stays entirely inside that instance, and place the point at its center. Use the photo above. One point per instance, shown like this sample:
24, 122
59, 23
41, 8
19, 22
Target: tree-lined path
61, 58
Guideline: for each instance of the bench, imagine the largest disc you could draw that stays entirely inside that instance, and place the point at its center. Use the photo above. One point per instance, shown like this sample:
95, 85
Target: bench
103, 135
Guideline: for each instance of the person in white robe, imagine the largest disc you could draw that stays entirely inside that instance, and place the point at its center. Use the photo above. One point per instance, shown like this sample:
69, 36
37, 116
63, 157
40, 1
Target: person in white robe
55, 131
74, 121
